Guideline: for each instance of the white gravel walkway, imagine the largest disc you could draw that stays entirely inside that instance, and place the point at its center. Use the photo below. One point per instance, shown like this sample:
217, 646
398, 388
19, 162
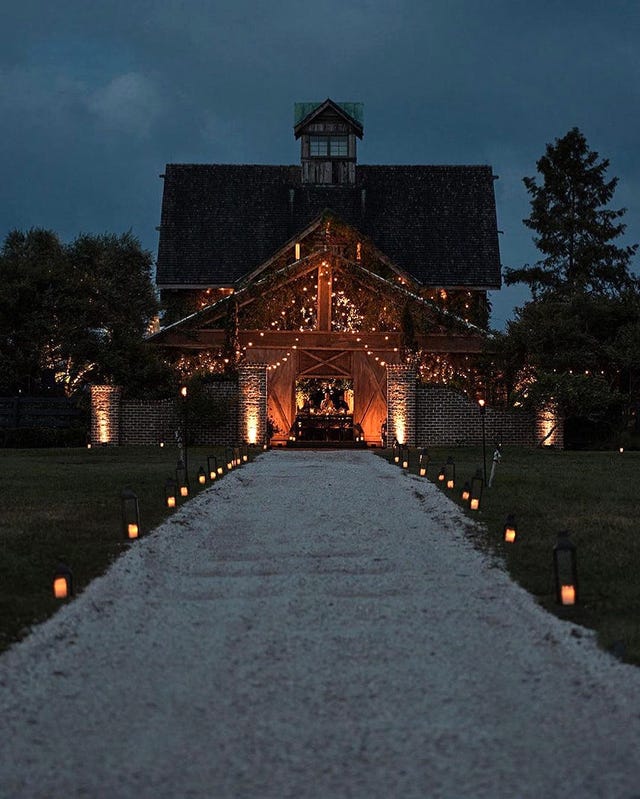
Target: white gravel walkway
314, 625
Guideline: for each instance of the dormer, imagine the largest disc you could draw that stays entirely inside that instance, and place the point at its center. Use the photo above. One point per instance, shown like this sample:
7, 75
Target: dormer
328, 133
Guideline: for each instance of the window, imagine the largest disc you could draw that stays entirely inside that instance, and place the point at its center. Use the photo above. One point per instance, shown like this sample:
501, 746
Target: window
322, 146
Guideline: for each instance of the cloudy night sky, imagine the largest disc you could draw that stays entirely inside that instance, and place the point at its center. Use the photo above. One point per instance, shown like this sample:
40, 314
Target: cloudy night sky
95, 98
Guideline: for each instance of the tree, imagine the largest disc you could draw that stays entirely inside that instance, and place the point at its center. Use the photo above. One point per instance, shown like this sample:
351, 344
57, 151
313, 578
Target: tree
74, 314
575, 230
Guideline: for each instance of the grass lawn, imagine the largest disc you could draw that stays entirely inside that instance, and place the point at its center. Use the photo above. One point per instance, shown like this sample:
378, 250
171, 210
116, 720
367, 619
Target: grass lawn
591, 494
63, 505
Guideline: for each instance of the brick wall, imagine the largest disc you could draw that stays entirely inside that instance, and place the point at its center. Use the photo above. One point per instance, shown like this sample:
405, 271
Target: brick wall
153, 421
447, 418
401, 404
252, 399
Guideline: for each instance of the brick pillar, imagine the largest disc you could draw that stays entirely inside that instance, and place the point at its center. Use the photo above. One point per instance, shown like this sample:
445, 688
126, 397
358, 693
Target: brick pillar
401, 403
252, 410
105, 415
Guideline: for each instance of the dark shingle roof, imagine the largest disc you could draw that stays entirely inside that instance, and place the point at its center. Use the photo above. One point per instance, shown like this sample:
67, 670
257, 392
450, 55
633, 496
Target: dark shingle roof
220, 222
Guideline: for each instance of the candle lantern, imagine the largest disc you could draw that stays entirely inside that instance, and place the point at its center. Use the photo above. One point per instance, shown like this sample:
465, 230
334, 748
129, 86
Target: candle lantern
236, 456
265, 444
510, 529
565, 567
182, 479
245, 453
475, 495
466, 492
212, 467
62, 582
396, 452
202, 476
229, 458
170, 493
450, 473
441, 475
405, 457
130, 514
423, 463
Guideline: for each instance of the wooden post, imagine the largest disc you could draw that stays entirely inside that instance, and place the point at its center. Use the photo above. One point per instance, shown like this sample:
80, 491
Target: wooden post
325, 288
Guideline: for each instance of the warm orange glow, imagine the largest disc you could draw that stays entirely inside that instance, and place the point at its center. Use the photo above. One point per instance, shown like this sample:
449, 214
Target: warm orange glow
449, 483
509, 534
220, 470
405, 464
481, 403
184, 491
104, 428
60, 588
183, 391
212, 475
568, 594
465, 496
202, 479
171, 502
297, 250
423, 471
132, 530
474, 504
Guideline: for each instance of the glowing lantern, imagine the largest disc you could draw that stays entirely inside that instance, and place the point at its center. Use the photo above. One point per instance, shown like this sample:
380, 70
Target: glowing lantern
212, 467
130, 514
405, 458
62, 582
202, 476
229, 458
510, 529
170, 493
236, 456
450, 473
182, 479
423, 463
565, 567
396, 452
475, 495
466, 492
441, 475
245, 453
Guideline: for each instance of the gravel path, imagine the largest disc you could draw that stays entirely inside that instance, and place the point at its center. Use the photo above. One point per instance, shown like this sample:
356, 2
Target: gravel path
314, 625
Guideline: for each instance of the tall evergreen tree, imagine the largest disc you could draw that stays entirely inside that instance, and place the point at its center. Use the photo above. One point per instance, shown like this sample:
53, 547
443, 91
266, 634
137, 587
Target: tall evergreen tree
575, 230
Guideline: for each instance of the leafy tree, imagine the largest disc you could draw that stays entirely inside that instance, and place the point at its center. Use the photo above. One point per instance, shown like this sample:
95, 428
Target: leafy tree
575, 230
74, 314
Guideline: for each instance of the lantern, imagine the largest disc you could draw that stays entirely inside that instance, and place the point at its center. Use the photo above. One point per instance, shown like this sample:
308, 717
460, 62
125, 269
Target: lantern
245, 453
170, 493
510, 529
212, 467
450, 473
423, 463
565, 567
441, 474
229, 458
475, 494
202, 476
405, 457
130, 514
265, 444
236, 456
396, 452
62, 582
182, 479
466, 492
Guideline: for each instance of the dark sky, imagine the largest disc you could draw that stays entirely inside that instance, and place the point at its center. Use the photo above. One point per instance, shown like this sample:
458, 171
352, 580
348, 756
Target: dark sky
95, 97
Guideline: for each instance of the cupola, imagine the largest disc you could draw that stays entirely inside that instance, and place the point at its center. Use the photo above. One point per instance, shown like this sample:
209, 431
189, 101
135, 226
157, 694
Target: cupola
328, 133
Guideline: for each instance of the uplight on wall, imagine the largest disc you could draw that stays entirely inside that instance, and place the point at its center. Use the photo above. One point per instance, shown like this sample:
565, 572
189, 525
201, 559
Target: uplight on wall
130, 514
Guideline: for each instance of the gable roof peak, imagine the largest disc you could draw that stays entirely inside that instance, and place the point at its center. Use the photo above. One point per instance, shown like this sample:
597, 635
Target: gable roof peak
305, 113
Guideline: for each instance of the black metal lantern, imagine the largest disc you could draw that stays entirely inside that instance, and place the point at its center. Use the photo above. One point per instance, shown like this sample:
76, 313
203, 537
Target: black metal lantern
182, 479
130, 514
450, 473
236, 456
266, 444
475, 495
202, 476
510, 529
170, 493
245, 453
423, 463
396, 452
565, 569
228, 456
212, 467
466, 492
405, 457
441, 474
62, 582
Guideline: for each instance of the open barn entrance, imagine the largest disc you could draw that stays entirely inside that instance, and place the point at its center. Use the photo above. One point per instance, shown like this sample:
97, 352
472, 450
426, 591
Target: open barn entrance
324, 413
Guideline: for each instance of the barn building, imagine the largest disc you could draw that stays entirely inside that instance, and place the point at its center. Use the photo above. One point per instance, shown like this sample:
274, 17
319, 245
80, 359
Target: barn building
330, 287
